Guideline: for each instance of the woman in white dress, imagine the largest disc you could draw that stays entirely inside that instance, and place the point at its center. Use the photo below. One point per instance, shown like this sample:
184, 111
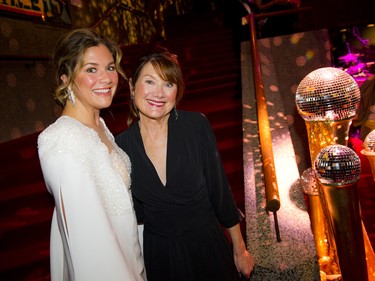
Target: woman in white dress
94, 230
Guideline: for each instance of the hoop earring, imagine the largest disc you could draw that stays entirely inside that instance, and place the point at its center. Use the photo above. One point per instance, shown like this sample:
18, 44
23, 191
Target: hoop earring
175, 111
71, 96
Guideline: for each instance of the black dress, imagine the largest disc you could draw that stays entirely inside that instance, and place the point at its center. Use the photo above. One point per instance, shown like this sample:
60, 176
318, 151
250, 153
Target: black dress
183, 234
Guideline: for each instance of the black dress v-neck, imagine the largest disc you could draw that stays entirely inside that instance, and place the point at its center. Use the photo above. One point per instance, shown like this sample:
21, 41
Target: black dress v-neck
183, 234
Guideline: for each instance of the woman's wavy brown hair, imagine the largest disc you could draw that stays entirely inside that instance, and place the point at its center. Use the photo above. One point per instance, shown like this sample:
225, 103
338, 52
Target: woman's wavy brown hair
68, 57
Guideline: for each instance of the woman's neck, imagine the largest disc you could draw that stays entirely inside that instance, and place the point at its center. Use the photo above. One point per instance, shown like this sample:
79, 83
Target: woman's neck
153, 129
90, 119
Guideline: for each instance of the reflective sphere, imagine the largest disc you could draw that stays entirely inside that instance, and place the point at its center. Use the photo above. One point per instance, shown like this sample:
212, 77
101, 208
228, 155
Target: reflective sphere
327, 94
308, 183
369, 143
337, 165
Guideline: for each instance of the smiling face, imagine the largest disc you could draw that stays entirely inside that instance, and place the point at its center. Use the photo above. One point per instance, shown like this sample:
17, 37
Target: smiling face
95, 81
153, 96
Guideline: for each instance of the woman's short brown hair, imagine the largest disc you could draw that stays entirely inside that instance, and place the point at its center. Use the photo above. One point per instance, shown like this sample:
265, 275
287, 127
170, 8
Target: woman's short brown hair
166, 66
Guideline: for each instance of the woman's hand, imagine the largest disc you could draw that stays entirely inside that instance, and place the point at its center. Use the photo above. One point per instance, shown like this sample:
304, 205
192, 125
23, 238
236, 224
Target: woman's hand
243, 260
244, 263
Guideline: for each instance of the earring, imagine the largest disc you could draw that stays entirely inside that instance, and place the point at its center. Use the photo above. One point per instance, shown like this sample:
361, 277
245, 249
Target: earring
134, 106
175, 111
71, 96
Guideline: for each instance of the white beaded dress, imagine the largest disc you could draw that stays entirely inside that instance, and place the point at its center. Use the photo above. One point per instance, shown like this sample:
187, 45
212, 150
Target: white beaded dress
94, 229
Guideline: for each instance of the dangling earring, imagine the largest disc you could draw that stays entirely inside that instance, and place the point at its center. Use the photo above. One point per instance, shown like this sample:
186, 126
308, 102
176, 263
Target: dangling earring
71, 96
175, 111
134, 106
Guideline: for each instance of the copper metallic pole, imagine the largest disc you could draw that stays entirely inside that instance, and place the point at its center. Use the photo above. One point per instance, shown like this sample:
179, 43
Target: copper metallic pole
272, 191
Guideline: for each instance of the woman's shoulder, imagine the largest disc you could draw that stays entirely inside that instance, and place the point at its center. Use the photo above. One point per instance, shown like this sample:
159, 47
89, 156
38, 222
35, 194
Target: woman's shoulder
128, 133
63, 127
190, 115
64, 134
195, 119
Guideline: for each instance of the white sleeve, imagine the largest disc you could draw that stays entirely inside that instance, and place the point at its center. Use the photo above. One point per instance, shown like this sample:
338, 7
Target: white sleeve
84, 228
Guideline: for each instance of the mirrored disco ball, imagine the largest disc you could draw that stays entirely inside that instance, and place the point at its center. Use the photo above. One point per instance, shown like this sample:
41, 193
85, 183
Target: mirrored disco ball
327, 94
308, 182
369, 150
369, 143
337, 165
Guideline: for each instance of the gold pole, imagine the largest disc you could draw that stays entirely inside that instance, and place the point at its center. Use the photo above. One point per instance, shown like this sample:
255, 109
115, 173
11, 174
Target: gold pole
324, 244
370, 256
265, 139
342, 203
321, 134
327, 100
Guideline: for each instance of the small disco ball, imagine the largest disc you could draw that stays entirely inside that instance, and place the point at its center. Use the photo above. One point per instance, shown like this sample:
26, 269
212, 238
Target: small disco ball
369, 143
327, 94
308, 183
337, 165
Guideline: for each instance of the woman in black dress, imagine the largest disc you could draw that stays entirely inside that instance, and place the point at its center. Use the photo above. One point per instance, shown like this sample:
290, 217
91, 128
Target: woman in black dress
180, 190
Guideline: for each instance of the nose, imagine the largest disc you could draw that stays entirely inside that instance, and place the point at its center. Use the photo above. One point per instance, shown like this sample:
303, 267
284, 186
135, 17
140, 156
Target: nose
159, 91
105, 77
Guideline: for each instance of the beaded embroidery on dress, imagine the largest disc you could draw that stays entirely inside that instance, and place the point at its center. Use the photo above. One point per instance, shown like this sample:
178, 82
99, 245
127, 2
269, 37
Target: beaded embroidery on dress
110, 185
94, 229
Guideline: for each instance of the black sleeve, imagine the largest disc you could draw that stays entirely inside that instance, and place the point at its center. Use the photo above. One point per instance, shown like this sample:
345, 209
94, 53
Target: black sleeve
219, 190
